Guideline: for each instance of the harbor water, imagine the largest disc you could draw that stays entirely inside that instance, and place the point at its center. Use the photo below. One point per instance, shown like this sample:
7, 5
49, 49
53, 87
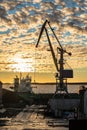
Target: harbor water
49, 87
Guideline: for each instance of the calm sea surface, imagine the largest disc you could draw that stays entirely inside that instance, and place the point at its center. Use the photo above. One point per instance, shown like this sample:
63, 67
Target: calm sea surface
48, 88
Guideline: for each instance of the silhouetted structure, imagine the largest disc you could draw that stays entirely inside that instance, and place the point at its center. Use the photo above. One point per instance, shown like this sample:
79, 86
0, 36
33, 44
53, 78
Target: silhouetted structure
0, 92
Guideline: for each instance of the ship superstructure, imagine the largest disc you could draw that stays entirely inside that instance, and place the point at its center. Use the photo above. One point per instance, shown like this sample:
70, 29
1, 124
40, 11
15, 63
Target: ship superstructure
22, 84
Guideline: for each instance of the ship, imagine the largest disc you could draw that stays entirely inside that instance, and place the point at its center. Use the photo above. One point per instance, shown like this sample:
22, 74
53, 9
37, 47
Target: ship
22, 84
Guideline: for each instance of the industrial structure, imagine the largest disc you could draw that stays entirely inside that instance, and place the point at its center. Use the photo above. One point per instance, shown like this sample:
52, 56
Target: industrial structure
62, 74
0, 92
58, 103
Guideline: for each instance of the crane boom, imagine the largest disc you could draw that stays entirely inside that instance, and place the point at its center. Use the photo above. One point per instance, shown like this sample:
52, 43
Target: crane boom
51, 48
55, 35
42, 29
52, 51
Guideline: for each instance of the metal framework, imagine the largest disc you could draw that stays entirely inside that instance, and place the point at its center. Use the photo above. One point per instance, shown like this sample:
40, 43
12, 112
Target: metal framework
62, 74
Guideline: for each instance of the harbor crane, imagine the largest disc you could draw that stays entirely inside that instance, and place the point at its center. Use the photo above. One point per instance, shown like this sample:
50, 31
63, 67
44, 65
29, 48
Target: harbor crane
62, 74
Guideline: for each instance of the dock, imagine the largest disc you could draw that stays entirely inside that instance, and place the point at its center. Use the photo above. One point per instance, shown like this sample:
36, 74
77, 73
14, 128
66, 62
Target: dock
31, 118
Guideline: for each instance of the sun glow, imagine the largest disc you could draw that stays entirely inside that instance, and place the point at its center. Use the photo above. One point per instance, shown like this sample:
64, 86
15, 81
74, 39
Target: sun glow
22, 65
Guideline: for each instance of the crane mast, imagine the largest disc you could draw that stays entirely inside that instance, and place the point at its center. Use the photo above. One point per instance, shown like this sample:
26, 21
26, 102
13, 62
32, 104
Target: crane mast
62, 74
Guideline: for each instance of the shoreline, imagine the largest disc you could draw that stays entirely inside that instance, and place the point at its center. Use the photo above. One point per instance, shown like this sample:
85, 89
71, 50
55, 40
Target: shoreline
52, 83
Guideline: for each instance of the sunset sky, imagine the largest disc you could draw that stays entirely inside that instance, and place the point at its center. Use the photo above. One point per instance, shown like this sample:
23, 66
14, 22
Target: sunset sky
20, 25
